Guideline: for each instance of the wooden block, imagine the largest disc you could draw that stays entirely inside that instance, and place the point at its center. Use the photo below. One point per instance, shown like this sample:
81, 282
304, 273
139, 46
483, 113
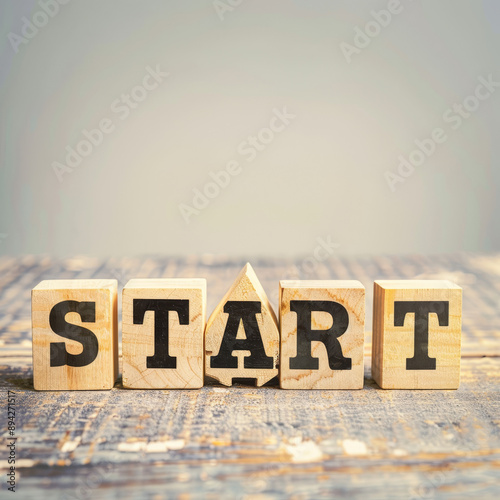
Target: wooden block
416, 334
75, 334
322, 326
242, 337
162, 333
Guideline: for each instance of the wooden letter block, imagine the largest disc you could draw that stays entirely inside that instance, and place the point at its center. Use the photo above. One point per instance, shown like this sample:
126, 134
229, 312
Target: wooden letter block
322, 334
162, 333
416, 334
75, 334
242, 338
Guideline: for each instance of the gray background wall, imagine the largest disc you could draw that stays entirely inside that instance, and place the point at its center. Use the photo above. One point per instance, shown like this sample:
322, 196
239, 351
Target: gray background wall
322, 176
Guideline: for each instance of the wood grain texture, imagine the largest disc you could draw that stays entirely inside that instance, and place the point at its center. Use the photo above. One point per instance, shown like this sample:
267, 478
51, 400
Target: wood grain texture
260, 443
240, 441
185, 341
394, 345
246, 287
350, 295
102, 371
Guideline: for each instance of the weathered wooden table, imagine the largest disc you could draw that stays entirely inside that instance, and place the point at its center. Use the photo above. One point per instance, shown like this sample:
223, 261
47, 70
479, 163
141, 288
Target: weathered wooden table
248, 443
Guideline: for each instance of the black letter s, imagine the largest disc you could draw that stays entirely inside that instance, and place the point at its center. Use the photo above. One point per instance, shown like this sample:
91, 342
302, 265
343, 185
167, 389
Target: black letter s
59, 356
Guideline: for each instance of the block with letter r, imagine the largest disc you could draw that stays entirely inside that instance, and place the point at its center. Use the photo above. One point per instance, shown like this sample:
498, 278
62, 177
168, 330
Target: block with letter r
322, 326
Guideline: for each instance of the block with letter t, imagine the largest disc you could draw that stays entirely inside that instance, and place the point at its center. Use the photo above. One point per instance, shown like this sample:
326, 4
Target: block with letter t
416, 334
75, 334
322, 334
162, 333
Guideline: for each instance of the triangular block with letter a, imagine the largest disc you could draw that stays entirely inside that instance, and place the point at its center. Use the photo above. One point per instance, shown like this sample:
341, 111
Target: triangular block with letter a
242, 336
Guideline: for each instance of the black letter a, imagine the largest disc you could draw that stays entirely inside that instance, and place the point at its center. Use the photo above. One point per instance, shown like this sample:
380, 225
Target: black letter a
245, 312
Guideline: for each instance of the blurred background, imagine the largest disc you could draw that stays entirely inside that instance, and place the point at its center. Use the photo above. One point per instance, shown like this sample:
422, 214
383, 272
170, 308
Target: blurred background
249, 127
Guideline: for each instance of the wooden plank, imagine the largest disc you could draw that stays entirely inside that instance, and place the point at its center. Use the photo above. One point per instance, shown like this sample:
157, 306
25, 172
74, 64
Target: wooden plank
266, 434
248, 442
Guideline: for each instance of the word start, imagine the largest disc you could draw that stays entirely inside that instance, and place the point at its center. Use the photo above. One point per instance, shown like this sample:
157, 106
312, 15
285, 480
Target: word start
316, 342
